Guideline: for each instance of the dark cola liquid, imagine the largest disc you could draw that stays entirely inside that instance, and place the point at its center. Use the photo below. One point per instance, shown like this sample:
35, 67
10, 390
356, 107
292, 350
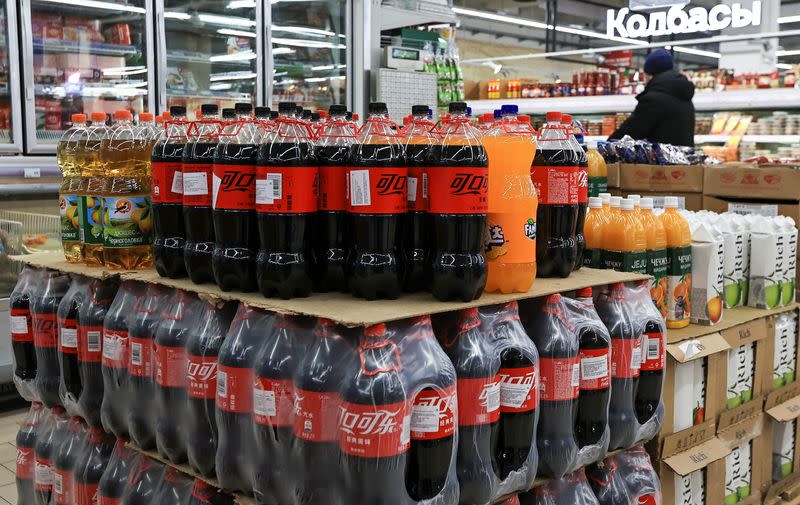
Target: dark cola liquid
168, 226
115, 478
417, 228
556, 243
24, 351
90, 319
68, 322
515, 428
374, 260
648, 391
234, 257
44, 317
26, 445
145, 483
457, 264
285, 256
592, 417
91, 463
331, 228
580, 241
198, 221
141, 413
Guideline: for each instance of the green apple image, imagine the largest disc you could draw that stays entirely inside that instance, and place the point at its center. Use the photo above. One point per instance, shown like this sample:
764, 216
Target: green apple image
786, 469
732, 294
732, 403
787, 292
772, 295
788, 377
747, 395
778, 382
744, 285
731, 499
743, 492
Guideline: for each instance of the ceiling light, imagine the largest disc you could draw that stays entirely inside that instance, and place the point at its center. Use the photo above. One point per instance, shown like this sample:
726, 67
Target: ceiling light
793, 52
111, 6
788, 19
307, 43
784, 66
177, 15
232, 76
282, 50
697, 52
311, 32
240, 56
124, 70
220, 86
597, 35
322, 67
236, 33
241, 4
225, 20
497, 17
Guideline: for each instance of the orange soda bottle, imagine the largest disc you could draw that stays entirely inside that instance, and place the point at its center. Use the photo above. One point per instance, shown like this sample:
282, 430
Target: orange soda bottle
625, 241
679, 264
593, 231
656, 253
511, 239
598, 173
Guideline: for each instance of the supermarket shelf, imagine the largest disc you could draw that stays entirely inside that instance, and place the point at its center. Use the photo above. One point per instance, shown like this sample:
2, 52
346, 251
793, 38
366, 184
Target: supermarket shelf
399, 14
730, 318
785, 98
70, 46
713, 139
344, 308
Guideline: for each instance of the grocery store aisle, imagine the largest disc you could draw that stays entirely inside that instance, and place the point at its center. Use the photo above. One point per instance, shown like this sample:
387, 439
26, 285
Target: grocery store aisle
9, 424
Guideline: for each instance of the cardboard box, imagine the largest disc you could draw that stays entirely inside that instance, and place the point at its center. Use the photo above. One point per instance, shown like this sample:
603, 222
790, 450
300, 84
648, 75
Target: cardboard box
613, 174
688, 201
742, 206
784, 492
669, 178
738, 180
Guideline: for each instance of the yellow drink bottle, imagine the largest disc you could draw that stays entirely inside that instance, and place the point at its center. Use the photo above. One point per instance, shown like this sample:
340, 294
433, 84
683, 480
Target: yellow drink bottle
657, 262
679, 264
598, 173
70, 155
626, 243
593, 230
91, 200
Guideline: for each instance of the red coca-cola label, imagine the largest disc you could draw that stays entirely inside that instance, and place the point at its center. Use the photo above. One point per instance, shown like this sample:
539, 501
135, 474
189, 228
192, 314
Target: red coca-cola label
197, 184
67, 335
432, 414
559, 378
418, 189
653, 352
115, 348
555, 185
167, 186
202, 376
332, 188
316, 415
626, 356
45, 330
90, 343
519, 389
478, 400
235, 389
63, 481
377, 190
273, 401
646, 499
374, 431
234, 187
43, 474
286, 189
203, 491
595, 369
86, 494
582, 183
458, 190
141, 357
25, 463
170, 366
21, 330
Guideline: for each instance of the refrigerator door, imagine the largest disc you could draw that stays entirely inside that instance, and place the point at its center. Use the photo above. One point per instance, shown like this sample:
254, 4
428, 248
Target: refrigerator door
309, 52
83, 56
10, 105
212, 52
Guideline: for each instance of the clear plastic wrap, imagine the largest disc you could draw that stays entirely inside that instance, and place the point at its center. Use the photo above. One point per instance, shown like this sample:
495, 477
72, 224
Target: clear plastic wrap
497, 368
626, 478
206, 494
26, 445
116, 353
557, 344
65, 458
592, 433
46, 297
572, 489
144, 481
141, 414
22, 341
70, 385
90, 465
175, 488
202, 352
170, 366
116, 476
49, 435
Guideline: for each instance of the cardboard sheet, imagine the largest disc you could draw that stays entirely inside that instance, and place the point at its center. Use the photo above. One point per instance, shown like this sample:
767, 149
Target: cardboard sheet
730, 319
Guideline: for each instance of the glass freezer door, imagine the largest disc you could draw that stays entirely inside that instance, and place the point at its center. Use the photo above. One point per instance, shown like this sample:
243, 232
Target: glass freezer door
83, 56
10, 105
309, 52
212, 52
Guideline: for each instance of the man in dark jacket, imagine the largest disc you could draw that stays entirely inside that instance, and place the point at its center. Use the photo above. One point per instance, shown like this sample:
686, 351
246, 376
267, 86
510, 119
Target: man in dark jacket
665, 112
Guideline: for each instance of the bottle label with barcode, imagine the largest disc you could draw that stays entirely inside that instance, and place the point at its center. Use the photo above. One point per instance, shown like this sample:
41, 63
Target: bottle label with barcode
654, 354
286, 189
378, 190
90, 348
141, 363
594, 368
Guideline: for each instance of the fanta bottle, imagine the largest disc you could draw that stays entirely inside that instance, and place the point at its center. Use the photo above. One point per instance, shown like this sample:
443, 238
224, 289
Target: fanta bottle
656, 253
511, 238
625, 241
679, 264
593, 231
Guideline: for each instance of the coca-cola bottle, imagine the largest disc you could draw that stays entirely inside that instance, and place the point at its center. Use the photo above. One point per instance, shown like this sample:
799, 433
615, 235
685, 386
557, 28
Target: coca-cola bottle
373, 413
49, 435
198, 158
116, 354
273, 409
167, 196
581, 180
317, 381
44, 309
572, 489
286, 200
91, 316
170, 373
651, 373
141, 413
175, 488
115, 478
144, 482
628, 477
202, 351
204, 493
332, 152
234, 201
91, 464
234, 398
26, 445
67, 318
64, 462
22, 332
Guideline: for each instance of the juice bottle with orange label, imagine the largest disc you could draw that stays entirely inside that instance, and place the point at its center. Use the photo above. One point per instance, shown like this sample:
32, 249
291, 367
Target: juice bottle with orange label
679, 264
598, 173
511, 239
593, 231
656, 254
625, 241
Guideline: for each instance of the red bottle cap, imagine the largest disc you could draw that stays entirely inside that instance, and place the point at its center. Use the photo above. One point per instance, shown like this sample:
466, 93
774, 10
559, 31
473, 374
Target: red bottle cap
146, 116
122, 114
79, 118
553, 116
98, 116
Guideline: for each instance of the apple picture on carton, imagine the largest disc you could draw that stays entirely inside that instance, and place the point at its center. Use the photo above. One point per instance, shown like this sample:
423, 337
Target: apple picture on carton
732, 403
772, 295
786, 469
732, 294
732, 499
743, 492
787, 292
747, 395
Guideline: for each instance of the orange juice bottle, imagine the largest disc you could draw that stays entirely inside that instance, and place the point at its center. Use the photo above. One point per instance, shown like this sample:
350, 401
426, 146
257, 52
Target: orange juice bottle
656, 254
511, 241
679, 264
598, 173
625, 241
593, 231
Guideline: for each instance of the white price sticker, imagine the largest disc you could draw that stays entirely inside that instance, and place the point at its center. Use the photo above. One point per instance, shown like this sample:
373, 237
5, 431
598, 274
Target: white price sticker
195, 184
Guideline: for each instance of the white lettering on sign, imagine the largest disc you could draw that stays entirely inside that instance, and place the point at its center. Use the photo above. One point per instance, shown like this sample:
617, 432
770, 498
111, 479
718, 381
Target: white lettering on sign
676, 20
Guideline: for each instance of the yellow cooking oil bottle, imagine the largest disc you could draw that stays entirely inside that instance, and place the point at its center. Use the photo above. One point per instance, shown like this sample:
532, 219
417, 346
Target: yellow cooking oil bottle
90, 199
70, 159
127, 218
